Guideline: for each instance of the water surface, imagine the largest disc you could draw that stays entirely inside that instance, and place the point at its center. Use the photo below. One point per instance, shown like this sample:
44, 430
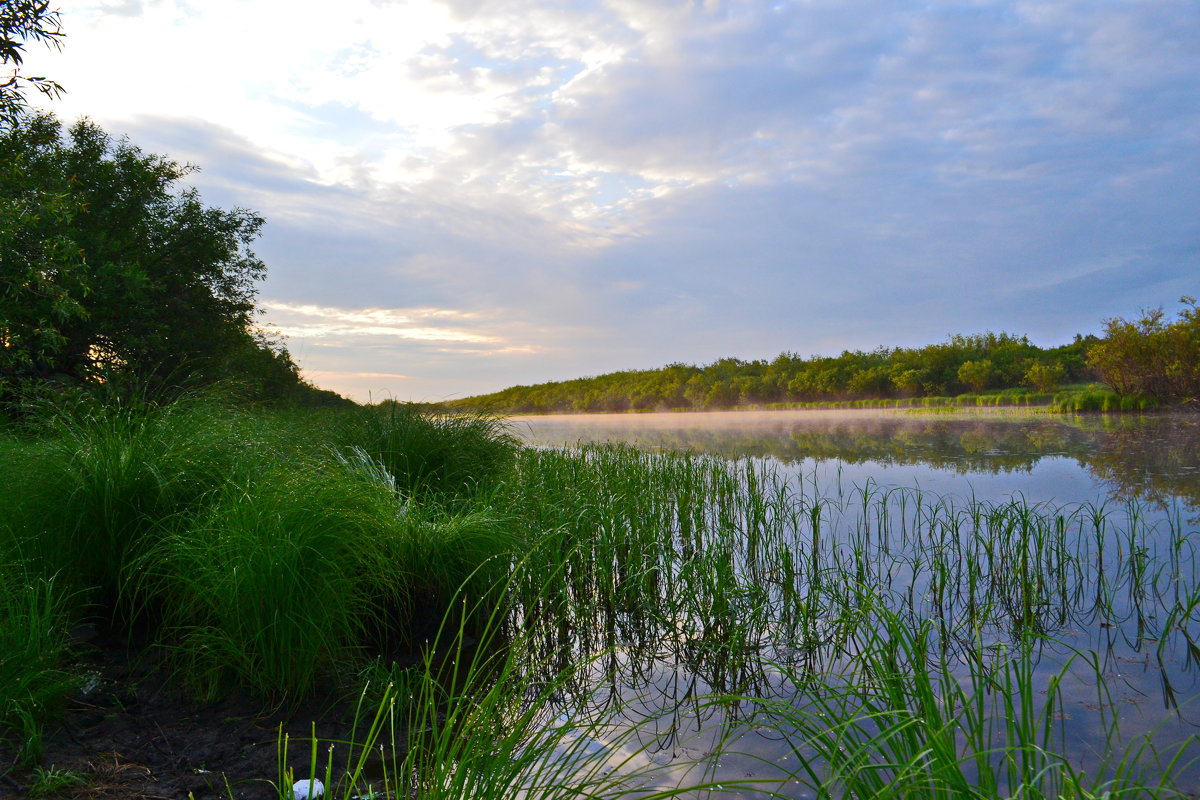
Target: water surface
1125, 485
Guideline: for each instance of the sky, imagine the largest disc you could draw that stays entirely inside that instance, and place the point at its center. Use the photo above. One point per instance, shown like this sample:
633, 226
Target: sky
465, 195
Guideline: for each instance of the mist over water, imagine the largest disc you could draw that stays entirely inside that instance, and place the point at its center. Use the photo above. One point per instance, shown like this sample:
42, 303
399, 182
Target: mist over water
989, 455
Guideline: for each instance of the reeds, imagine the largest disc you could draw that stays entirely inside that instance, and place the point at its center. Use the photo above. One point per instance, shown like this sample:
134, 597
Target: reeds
757, 585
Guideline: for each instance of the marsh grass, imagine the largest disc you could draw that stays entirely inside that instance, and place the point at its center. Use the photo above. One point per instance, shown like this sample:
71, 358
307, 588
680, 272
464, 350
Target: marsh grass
720, 570
479, 717
906, 719
431, 455
1098, 398
265, 546
34, 673
897, 643
103, 480
290, 575
555, 593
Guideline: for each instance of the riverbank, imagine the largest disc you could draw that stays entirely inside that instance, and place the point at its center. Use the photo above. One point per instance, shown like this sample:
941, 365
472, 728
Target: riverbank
587, 605
1075, 399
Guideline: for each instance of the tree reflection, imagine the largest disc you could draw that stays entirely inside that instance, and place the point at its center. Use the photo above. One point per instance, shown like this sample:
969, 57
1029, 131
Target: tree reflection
1148, 458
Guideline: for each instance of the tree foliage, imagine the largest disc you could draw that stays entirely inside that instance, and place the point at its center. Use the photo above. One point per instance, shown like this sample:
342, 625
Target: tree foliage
975, 362
1151, 356
976, 374
22, 21
107, 268
1045, 377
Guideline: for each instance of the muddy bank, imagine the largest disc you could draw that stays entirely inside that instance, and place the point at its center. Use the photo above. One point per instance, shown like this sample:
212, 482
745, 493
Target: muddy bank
132, 732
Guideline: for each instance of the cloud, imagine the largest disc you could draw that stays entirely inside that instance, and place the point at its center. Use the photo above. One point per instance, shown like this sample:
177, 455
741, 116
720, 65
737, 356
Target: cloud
471, 194
310, 321
319, 374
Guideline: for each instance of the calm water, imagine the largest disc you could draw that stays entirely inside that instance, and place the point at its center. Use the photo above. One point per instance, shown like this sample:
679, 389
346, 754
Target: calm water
990, 455
1143, 473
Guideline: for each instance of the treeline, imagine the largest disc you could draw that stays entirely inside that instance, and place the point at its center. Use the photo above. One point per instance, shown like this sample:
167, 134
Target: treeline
1150, 361
963, 363
1151, 356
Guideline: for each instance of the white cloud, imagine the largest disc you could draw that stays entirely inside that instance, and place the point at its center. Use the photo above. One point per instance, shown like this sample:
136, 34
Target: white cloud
304, 321
520, 190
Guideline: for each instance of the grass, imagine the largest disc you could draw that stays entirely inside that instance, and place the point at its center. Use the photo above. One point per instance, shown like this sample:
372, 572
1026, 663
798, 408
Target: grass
429, 454
34, 677
1098, 398
52, 782
579, 609
265, 548
723, 569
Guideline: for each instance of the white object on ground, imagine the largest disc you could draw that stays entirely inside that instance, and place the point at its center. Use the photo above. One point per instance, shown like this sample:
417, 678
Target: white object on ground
308, 790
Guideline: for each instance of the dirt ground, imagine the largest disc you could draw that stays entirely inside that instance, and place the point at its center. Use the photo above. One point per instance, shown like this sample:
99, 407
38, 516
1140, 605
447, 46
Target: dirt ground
131, 733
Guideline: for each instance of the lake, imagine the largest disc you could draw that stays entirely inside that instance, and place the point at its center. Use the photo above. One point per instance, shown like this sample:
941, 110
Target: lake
931, 510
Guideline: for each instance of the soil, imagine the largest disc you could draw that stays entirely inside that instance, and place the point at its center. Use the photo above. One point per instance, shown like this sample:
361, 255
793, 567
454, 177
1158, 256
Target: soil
133, 733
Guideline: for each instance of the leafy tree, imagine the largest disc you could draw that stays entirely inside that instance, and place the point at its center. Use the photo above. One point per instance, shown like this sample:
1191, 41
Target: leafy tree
22, 21
976, 374
1150, 356
106, 269
909, 381
1045, 377
43, 277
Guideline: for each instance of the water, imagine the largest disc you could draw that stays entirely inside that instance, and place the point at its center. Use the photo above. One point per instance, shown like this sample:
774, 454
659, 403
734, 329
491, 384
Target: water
1142, 474
994, 455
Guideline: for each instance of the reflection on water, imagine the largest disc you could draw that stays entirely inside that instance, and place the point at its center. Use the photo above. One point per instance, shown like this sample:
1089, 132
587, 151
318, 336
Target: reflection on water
1073, 534
1154, 458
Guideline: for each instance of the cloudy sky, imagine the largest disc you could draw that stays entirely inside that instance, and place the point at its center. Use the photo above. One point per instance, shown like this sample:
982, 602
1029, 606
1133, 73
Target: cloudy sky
464, 195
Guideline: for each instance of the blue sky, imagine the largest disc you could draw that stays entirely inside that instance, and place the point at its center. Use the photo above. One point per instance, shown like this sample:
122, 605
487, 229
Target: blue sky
465, 195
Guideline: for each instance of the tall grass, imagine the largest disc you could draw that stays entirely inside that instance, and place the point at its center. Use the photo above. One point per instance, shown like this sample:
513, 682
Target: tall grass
747, 582
101, 479
582, 607
908, 719
308, 566
1096, 398
34, 673
478, 717
264, 546
455, 455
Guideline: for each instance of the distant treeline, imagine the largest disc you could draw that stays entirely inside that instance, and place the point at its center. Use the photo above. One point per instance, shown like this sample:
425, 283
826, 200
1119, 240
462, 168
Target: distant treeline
963, 363
1148, 358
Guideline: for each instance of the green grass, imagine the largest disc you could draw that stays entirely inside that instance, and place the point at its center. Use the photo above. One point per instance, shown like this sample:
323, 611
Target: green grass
103, 480
1098, 398
266, 547
429, 454
891, 636
34, 672
908, 719
723, 568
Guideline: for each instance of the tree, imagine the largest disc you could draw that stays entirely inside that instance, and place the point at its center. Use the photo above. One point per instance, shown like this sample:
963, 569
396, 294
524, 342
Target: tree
105, 269
1045, 377
1151, 356
976, 374
22, 21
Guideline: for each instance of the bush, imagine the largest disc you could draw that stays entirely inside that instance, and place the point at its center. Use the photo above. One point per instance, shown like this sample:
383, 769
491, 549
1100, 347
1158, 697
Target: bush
1150, 356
